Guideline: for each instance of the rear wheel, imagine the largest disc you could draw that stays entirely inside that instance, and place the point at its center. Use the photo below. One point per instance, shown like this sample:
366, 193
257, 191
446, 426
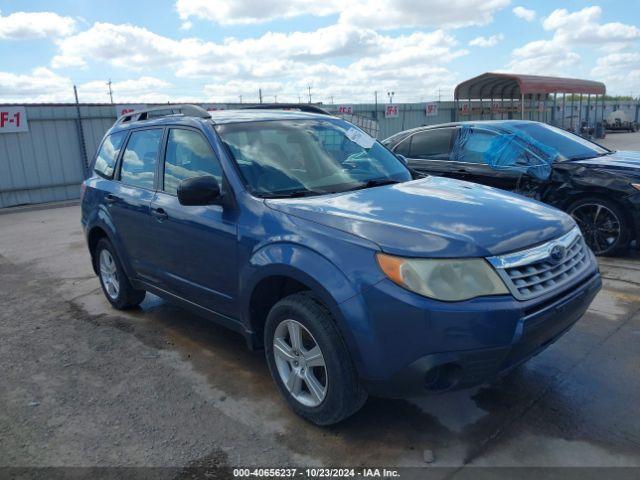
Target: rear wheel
114, 282
603, 224
309, 361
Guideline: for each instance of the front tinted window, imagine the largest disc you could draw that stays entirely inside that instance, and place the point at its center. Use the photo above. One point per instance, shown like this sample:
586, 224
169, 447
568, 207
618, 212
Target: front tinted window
188, 155
312, 156
108, 154
431, 144
139, 158
568, 145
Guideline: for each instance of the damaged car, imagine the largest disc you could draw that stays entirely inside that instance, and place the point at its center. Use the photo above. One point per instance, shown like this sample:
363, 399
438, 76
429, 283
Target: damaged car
598, 187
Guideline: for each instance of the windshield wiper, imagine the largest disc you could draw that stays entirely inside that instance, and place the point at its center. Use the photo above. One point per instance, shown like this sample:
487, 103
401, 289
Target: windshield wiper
376, 182
294, 194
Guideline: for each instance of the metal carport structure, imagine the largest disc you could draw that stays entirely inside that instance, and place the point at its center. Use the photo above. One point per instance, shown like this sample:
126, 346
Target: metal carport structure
508, 94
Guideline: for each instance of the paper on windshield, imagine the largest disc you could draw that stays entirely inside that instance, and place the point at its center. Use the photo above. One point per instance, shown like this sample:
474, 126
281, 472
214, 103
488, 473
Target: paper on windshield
361, 138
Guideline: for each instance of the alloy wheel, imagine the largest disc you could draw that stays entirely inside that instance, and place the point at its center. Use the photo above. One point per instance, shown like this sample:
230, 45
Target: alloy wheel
109, 274
300, 363
600, 226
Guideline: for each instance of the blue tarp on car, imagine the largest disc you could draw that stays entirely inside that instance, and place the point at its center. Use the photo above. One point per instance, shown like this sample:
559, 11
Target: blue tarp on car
515, 151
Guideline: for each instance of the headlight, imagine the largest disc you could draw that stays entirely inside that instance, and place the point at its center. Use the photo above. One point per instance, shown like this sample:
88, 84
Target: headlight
443, 279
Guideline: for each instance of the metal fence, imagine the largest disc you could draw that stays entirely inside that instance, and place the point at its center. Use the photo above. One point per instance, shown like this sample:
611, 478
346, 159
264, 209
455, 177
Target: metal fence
47, 162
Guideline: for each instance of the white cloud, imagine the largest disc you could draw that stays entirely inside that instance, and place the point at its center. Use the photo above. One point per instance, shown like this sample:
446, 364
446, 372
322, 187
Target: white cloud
543, 57
557, 56
620, 72
485, 42
41, 85
27, 25
144, 89
378, 14
525, 13
234, 12
582, 27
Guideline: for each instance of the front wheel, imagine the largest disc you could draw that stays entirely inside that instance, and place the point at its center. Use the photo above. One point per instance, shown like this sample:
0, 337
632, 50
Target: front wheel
603, 224
309, 361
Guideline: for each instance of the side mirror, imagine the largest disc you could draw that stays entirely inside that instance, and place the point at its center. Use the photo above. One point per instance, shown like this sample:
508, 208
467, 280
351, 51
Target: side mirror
199, 191
403, 159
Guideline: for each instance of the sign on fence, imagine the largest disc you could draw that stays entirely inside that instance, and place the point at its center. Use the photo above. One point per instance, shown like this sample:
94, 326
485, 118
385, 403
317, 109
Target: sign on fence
13, 119
348, 109
124, 109
431, 109
391, 111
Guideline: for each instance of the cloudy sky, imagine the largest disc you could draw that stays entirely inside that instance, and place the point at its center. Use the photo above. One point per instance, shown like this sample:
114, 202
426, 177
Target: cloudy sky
218, 50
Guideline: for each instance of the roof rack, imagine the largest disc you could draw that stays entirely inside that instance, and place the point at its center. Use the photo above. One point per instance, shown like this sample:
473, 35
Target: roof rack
302, 107
157, 112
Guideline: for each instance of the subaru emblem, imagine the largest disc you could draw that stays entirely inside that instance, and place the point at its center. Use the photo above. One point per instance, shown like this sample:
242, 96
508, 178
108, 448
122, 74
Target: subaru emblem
556, 254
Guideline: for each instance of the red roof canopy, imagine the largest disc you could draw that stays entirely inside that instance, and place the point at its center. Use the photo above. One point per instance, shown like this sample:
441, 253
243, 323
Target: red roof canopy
511, 85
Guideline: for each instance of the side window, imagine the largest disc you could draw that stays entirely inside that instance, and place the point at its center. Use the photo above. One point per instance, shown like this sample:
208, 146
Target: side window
403, 147
108, 154
140, 156
476, 146
188, 155
432, 144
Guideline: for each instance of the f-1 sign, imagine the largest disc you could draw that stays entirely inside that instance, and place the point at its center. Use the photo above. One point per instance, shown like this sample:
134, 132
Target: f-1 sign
13, 119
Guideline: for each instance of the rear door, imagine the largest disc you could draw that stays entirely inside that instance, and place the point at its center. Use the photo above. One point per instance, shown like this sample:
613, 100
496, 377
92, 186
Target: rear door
130, 200
195, 245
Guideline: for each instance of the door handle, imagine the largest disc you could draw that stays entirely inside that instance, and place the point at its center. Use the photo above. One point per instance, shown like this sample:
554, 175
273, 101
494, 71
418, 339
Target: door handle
159, 214
111, 199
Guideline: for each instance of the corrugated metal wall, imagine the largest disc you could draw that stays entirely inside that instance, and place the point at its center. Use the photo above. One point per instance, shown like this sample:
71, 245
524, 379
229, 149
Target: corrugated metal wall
45, 164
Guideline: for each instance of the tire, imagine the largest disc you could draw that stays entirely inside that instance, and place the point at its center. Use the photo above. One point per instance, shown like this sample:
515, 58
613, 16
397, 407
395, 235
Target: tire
114, 282
599, 235
337, 379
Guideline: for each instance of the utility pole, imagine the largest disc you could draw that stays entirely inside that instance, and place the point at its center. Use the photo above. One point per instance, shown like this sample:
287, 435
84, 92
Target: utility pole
110, 91
439, 96
240, 98
375, 112
299, 99
260, 94
331, 99
309, 88
275, 98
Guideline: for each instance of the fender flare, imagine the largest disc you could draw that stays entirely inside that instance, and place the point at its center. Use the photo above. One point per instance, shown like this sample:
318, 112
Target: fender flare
101, 220
308, 267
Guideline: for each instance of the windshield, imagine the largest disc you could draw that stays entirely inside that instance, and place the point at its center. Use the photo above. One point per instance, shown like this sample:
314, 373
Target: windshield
568, 145
308, 157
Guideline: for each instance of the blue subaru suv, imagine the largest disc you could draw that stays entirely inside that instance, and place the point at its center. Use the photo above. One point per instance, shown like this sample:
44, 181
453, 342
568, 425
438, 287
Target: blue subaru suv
316, 243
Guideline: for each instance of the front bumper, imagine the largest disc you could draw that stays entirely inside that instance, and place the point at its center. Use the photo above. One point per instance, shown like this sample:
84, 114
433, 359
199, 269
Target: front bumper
422, 345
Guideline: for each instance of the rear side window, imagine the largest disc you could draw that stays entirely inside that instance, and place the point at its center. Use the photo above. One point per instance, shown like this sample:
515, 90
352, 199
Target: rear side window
431, 144
188, 155
140, 157
108, 154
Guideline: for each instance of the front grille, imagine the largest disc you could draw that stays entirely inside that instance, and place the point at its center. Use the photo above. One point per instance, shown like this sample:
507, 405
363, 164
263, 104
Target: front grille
545, 268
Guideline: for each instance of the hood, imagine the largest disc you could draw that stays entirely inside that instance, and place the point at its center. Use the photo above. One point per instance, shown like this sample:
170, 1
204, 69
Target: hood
436, 217
623, 160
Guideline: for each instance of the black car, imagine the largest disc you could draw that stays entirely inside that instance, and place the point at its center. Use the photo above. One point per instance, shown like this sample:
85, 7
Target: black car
599, 187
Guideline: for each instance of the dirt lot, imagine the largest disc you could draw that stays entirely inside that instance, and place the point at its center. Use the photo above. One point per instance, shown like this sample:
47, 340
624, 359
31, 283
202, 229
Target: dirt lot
84, 385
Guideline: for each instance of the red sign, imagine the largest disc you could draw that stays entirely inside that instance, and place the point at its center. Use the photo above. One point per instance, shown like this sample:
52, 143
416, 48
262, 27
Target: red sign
431, 109
13, 119
125, 109
391, 111
348, 109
